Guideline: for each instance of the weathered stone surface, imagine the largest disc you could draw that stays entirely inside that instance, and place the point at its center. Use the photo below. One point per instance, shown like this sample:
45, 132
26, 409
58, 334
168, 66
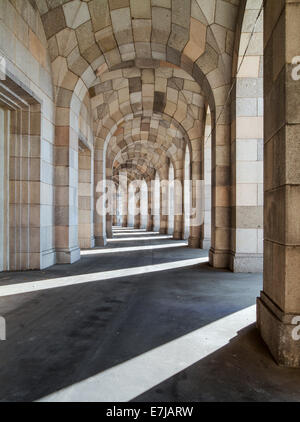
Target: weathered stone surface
99, 12
54, 21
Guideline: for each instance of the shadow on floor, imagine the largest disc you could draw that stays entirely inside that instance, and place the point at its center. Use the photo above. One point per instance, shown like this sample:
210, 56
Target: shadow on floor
242, 371
61, 336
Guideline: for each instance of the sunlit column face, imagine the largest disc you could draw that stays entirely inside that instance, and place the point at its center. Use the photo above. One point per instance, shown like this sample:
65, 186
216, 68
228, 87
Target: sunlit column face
144, 204
131, 204
207, 178
156, 202
119, 206
171, 200
187, 193
4, 238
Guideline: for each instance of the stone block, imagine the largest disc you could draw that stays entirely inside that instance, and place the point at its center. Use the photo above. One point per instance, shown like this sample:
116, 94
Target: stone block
99, 12
76, 13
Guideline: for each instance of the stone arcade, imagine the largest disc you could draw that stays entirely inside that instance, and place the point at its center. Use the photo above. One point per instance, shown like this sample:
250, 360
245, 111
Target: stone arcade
100, 91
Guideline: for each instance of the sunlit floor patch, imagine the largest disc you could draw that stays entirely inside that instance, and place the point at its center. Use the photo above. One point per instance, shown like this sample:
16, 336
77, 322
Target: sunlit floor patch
130, 229
133, 249
34, 286
130, 379
129, 239
142, 233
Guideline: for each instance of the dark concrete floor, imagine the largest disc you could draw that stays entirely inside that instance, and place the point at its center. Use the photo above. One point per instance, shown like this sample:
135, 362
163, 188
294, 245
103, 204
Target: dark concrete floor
59, 337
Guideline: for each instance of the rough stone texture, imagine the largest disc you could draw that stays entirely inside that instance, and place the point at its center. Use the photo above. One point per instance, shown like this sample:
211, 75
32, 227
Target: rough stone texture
280, 299
41, 320
133, 80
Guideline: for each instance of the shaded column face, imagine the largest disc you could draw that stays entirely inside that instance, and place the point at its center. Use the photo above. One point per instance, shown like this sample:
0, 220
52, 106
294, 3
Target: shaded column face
24, 190
178, 209
4, 189
109, 226
150, 219
195, 229
66, 189
99, 198
195, 187
219, 254
126, 205
85, 214
163, 206
123, 198
279, 304
137, 213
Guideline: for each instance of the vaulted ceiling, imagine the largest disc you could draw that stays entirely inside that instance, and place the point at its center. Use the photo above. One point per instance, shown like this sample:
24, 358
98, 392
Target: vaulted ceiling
150, 68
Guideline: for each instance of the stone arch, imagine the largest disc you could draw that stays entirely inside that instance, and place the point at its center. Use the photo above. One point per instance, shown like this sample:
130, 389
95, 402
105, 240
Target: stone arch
107, 38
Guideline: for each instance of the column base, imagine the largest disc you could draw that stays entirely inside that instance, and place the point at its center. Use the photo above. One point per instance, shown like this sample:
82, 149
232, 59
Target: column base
177, 236
163, 231
194, 242
277, 331
87, 243
100, 241
219, 259
67, 256
48, 258
246, 263
206, 244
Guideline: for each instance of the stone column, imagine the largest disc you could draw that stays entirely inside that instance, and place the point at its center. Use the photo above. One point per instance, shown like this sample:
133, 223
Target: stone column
4, 188
178, 206
137, 216
85, 192
150, 216
196, 228
207, 181
163, 208
279, 303
125, 203
114, 217
66, 186
219, 254
247, 151
99, 215
109, 226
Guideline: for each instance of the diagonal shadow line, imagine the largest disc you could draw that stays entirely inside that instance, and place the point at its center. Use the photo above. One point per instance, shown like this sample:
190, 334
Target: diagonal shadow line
63, 336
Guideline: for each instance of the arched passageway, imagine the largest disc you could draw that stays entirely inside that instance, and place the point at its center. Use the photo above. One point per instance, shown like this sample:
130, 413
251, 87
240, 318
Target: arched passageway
136, 165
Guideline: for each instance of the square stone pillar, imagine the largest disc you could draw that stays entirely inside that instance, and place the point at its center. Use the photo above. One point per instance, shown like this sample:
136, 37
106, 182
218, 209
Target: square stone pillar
150, 215
163, 208
137, 217
99, 198
279, 303
247, 147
